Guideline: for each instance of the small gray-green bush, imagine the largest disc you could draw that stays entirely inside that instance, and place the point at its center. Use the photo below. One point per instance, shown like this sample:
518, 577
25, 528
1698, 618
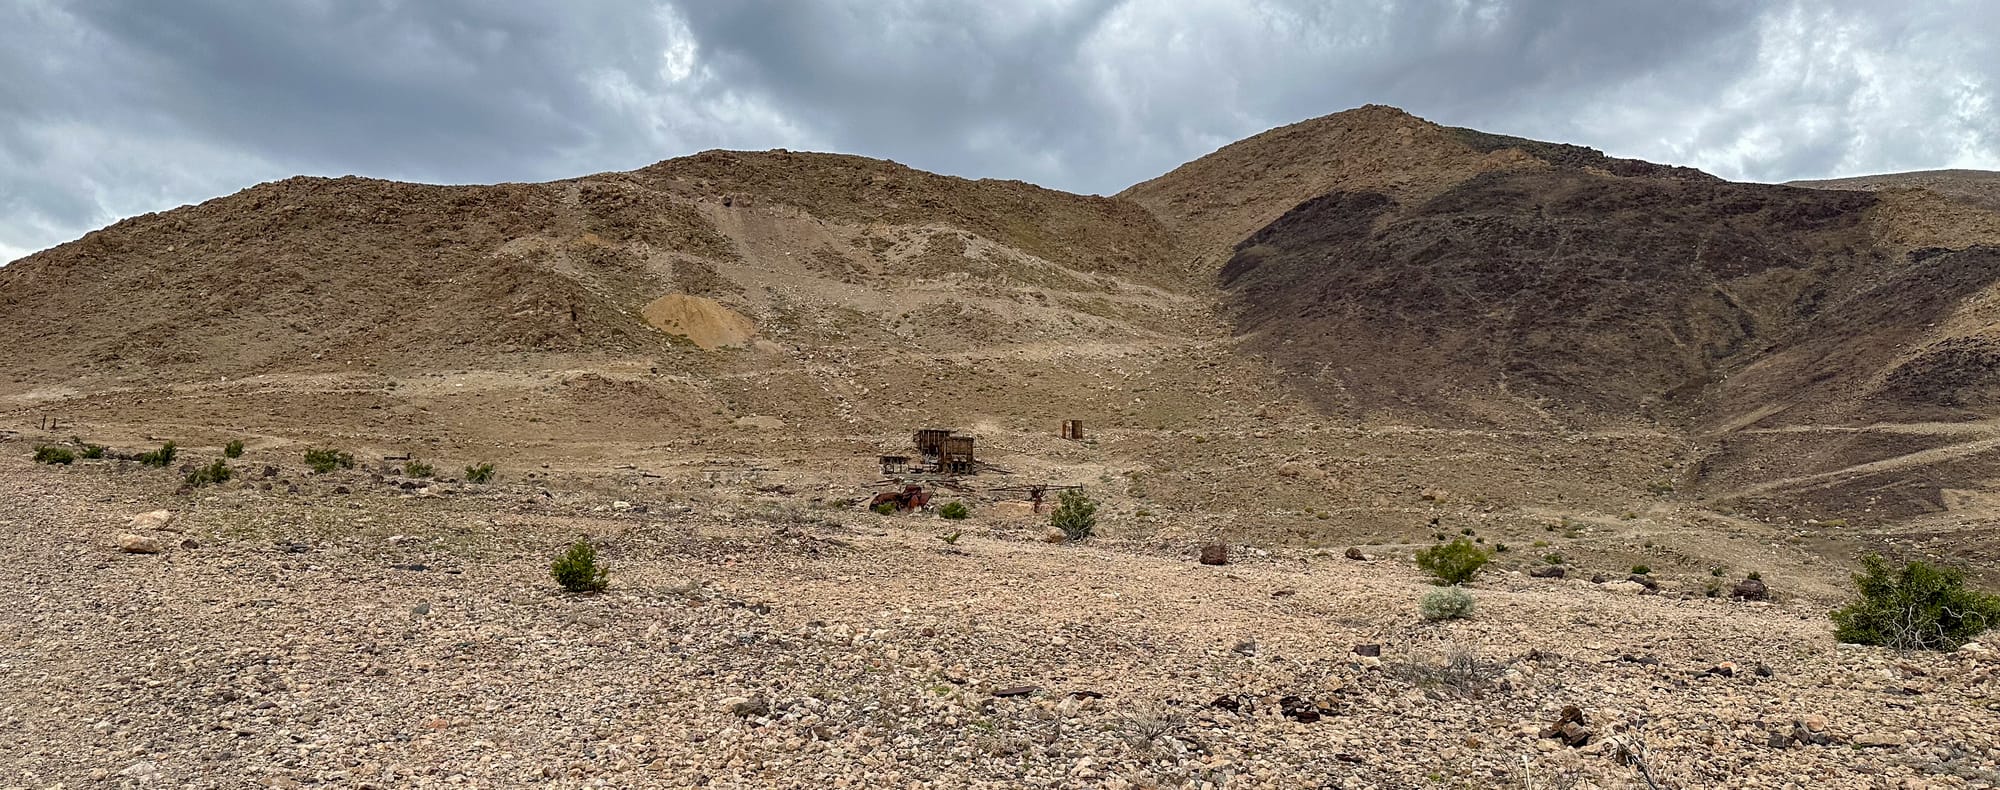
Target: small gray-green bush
1445, 603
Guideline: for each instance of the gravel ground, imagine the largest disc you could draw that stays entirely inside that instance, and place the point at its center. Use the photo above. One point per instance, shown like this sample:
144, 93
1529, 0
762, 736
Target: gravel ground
382, 638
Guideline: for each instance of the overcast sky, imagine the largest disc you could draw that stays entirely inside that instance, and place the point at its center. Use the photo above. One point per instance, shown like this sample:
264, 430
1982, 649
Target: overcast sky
110, 108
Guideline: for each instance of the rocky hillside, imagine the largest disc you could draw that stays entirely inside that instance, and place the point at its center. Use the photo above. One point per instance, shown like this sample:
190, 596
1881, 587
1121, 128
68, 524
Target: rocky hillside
1367, 318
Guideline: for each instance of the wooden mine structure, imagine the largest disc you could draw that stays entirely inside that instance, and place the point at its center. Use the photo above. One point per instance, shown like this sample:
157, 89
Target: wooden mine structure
939, 452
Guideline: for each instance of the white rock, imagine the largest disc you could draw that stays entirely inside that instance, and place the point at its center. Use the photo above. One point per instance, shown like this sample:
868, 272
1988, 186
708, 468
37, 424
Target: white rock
150, 520
138, 544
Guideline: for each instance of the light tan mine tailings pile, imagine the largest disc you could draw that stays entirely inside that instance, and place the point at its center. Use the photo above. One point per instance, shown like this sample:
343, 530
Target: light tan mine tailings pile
703, 321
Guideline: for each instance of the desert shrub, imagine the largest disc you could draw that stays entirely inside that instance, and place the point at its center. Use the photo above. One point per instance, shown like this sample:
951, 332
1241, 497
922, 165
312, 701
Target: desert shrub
1445, 603
419, 469
1920, 607
578, 572
1499, 548
1717, 571
326, 459
1641, 570
51, 454
1554, 558
161, 457
1661, 487
234, 449
86, 449
1755, 576
479, 473
1075, 514
885, 508
211, 474
954, 510
1456, 562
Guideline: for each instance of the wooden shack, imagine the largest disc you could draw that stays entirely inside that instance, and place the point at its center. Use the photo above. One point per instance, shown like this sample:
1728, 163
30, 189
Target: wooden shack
955, 456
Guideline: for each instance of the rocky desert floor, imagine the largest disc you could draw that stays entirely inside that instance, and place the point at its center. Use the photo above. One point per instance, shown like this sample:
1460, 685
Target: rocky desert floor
343, 631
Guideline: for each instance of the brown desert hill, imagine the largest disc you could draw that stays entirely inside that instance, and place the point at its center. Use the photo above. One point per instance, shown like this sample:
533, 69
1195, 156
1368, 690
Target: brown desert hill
1369, 319
314, 273
1979, 188
1469, 279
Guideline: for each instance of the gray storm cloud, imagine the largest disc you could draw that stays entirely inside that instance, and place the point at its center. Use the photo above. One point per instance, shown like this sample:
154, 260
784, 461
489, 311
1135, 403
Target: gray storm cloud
115, 107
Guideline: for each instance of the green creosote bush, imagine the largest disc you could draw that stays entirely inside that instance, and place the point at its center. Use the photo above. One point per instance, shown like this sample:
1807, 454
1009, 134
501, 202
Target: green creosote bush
234, 449
212, 474
578, 572
161, 457
886, 508
1641, 570
51, 454
954, 510
86, 449
1918, 607
418, 469
326, 459
1446, 603
1075, 514
479, 473
1456, 562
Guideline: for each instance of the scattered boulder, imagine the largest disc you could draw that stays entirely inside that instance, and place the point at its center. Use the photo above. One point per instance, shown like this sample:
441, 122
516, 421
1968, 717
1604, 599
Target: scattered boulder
1878, 740
1644, 581
1355, 554
138, 544
1215, 554
1599, 579
1726, 669
1016, 691
1750, 590
1371, 651
151, 520
1053, 535
1302, 710
1551, 572
1627, 587
747, 707
190, 544
1246, 647
1571, 727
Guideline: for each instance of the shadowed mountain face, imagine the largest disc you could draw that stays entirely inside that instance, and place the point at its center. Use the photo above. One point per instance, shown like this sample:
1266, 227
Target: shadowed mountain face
1555, 289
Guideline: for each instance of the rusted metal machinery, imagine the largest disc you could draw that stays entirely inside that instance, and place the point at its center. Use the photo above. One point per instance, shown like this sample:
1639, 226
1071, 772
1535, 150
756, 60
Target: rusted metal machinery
911, 497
